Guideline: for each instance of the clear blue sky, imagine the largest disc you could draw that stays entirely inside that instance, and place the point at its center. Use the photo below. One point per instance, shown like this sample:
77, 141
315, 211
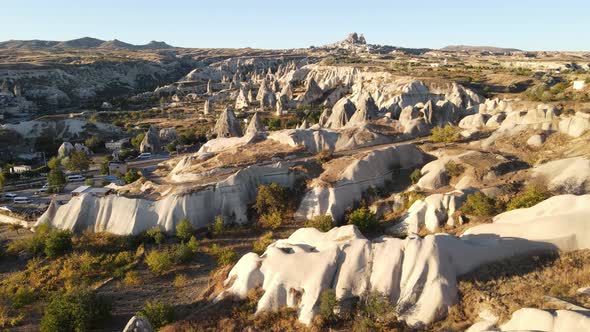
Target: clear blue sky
525, 24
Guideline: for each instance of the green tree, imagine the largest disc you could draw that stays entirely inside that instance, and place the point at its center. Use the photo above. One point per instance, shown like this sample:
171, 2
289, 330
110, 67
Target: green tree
328, 303
271, 198
56, 180
184, 229
94, 143
157, 313
218, 226
58, 243
323, 222
480, 205
2, 180
104, 166
447, 134
78, 161
533, 195
362, 218
74, 312
159, 261
54, 162
156, 234
136, 141
131, 176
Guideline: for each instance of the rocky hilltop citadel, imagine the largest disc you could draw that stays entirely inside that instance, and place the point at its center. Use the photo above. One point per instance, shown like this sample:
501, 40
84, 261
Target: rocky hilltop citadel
349, 186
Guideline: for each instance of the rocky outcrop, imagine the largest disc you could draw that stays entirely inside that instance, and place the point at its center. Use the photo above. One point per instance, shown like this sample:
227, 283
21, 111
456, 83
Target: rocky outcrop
431, 212
532, 319
255, 125
367, 170
571, 175
340, 114
121, 215
151, 141
312, 92
417, 275
138, 324
227, 125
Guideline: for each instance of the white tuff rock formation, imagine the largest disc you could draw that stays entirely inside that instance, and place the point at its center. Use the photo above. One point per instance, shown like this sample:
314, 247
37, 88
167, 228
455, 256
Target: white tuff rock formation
418, 275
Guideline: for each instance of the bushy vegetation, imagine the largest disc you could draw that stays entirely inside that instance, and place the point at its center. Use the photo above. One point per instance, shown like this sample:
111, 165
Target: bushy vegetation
56, 180
480, 205
156, 234
322, 222
410, 197
218, 226
224, 256
446, 134
58, 243
363, 219
74, 311
531, 196
259, 246
415, 176
272, 220
184, 229
131, 176
328, 303
77, 161
271, 204
453, 169
157, 313
159, 261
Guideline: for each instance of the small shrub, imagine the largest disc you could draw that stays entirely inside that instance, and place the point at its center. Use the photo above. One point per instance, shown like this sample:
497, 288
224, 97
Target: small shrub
272, 220
322, 223
259, 246
415, 176
156, 234
132, 278
131, 176
363, 219
58, 243
193, 245
159, 261
24, 295
454, 169
123, 258
184, 229
480, 205
533, 195
157, 313
375, 306
271, 198
218, 226
328, 303
74, 312
182, 254
224, 256
180, 281
447, 134
409, 198
89, 182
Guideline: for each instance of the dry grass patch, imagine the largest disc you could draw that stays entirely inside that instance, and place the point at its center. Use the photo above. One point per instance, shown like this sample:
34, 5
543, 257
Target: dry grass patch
506, 286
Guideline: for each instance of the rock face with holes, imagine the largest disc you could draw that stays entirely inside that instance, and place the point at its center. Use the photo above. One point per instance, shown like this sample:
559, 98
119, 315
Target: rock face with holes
342, 184
418, 275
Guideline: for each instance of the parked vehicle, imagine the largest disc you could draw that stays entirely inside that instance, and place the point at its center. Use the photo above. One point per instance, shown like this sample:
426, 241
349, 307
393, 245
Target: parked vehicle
9, 196
75, 178
145, 155
44, 188
22, 200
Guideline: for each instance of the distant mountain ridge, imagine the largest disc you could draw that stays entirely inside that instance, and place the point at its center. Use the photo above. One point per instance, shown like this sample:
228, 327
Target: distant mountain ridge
470, 48
85, 42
